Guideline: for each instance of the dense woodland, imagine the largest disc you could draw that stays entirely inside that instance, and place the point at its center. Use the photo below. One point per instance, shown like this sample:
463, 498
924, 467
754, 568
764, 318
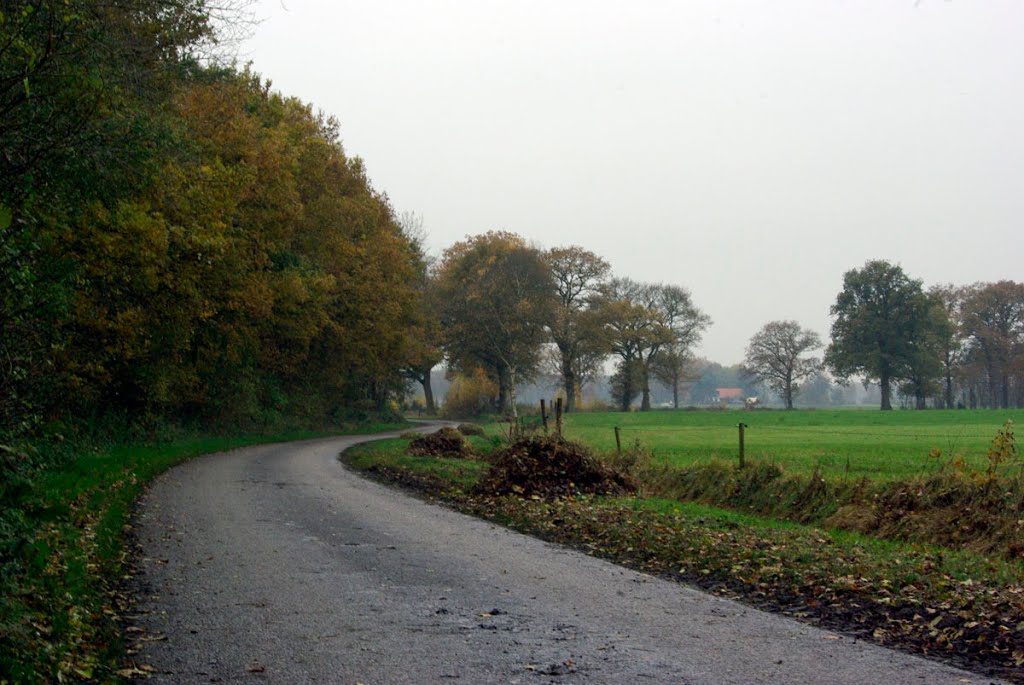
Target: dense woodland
177, 240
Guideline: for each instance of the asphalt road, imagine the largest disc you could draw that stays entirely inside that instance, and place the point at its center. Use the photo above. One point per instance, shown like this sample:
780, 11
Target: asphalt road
277, 564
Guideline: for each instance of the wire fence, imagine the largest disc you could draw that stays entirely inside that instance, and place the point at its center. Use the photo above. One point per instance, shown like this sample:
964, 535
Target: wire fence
869, 449
852, 432
866, 450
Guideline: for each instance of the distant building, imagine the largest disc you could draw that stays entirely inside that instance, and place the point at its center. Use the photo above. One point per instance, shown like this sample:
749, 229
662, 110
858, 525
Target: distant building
730, 394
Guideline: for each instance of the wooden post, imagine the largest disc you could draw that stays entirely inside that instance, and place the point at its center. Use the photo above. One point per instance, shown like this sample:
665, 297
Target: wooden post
544, 416
742, 454
558, 416
618, 440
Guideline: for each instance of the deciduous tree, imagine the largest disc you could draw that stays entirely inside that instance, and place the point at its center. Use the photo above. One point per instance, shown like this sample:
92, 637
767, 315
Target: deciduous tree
497, 300
775, 357
993, 317
577, 327
951, 340
636, 330
879, 314
687, 323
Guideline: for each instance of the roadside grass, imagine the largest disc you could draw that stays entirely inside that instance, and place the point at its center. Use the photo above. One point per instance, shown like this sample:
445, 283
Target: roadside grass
384, 456
62, 533
957, 605
837, 443
954, 499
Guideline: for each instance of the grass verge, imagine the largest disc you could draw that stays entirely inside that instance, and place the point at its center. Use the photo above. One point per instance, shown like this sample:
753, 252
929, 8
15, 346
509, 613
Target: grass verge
62, 531
954, 605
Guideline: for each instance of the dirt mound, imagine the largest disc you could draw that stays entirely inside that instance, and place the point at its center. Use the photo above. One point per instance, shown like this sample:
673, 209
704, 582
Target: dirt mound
551, 467
446, 442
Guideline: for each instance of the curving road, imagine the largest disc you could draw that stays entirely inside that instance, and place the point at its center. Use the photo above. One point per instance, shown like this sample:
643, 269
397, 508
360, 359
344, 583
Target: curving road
277, 564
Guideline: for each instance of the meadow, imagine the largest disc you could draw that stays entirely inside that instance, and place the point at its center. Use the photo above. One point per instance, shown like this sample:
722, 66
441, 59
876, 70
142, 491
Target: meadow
840, 443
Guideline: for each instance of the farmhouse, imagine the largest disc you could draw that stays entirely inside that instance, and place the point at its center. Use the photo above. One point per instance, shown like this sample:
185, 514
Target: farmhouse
730, 394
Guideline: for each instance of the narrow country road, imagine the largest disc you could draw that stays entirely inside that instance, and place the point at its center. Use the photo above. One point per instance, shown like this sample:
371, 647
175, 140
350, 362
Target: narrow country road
276, 564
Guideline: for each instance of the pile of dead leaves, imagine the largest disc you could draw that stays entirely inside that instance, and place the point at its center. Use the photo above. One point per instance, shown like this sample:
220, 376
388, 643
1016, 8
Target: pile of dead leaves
549, 467
447, 442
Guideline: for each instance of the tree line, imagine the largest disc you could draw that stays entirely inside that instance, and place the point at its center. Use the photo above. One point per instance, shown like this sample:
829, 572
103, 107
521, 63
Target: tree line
177, 240
501, 310
956, 346
505, 310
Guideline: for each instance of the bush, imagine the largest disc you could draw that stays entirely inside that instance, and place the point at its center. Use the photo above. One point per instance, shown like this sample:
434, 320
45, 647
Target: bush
470, 395
469, 429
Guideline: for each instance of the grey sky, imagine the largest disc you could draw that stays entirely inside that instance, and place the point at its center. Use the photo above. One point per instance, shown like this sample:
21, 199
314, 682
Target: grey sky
749, 151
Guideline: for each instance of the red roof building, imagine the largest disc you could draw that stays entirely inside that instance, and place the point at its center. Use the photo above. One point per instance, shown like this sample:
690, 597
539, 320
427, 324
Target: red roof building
726, 394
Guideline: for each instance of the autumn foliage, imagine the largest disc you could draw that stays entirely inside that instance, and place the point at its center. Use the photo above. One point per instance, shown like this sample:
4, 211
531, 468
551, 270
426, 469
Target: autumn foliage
253, 276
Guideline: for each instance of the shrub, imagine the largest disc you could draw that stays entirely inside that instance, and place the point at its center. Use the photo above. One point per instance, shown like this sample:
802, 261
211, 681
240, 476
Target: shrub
470, 395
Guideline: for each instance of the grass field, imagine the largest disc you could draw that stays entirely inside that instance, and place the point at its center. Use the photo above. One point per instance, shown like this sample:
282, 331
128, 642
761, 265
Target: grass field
875, 444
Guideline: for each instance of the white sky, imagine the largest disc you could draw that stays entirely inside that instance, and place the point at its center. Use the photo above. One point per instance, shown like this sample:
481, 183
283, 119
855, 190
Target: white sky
749, 151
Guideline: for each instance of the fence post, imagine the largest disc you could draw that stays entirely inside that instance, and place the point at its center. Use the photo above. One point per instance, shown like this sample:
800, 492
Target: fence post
618, 441
558, 416
544, 416
742, 454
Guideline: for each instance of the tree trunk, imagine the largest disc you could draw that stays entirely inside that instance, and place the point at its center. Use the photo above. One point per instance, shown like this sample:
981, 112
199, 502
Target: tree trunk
502, 390
570, 390
627, 394
992, 402
645, 401
512, 393
428, 394
947, 396
789, 396
675, 393
884, 385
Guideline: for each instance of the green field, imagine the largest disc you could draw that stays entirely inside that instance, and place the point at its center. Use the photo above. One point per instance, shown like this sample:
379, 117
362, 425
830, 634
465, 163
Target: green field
878, 445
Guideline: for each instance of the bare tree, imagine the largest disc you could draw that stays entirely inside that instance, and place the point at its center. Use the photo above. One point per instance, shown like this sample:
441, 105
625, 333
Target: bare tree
774, 357
687, 323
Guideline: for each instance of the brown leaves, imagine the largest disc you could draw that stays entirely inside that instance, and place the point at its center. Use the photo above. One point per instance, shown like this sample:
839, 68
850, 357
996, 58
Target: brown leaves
548, 467
845, 587
447, 442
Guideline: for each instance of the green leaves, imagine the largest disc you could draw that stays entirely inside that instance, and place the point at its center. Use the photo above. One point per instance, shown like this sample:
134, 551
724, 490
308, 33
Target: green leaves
6, 217
881, 316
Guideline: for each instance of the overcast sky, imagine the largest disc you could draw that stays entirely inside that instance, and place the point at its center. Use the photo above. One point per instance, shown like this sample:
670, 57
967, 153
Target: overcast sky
749, 151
